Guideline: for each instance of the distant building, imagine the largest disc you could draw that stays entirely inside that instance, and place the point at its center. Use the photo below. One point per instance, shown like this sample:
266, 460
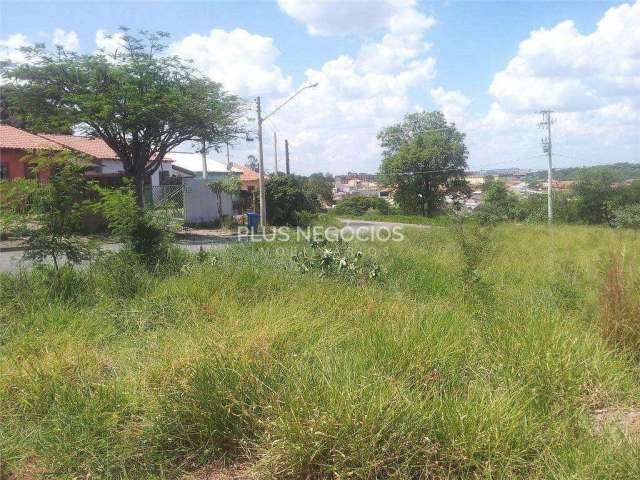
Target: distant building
249, 179
474, 180
357, 184
559, 184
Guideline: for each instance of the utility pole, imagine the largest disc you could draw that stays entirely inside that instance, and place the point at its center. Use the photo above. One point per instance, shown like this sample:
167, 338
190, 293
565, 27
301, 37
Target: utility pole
286, 155
263, 199
228, 161
204, 159
546, 148
275, 150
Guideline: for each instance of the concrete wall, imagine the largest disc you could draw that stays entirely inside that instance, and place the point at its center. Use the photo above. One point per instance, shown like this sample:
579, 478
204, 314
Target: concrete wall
200, 203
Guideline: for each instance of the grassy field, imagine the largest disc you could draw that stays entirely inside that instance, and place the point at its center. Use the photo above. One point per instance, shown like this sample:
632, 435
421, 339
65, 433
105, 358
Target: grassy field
474, 364
440, 220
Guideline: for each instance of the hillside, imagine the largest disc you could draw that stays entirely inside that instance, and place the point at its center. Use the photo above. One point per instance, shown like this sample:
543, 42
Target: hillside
620, 171
491, 367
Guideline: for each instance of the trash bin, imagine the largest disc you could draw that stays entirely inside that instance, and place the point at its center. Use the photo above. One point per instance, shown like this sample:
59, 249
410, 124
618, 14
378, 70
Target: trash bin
253, 220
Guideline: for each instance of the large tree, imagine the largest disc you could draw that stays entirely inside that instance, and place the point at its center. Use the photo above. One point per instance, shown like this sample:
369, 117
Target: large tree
424, 158
140, 101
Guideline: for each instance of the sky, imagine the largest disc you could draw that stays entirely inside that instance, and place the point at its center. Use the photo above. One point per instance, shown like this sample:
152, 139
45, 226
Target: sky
488, 66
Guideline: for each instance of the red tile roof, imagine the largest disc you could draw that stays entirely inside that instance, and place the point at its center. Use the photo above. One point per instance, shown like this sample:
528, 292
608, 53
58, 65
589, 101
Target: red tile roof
96, 147
11, 137
246, 174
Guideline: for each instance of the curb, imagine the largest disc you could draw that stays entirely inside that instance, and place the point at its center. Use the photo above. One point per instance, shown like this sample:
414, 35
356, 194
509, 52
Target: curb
13, 249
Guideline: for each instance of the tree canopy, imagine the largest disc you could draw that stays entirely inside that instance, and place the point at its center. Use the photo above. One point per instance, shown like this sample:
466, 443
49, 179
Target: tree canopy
287, 199
140, 101
320, 186
424, 158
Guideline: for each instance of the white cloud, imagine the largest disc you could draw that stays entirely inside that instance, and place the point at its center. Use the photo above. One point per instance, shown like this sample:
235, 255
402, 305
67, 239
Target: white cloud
564, 70
109, 43
338, 17
453, 104
10, 48
591, 81
11, 45
333, 126
243, 62
67, 40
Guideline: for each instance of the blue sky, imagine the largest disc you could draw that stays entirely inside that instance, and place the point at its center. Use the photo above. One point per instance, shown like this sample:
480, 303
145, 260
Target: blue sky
469, 43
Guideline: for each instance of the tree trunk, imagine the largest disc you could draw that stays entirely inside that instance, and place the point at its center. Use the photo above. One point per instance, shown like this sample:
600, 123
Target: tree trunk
219, 195
138, 182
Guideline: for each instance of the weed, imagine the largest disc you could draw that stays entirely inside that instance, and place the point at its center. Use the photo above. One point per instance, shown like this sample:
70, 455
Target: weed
620, 307
476, 246
336, 259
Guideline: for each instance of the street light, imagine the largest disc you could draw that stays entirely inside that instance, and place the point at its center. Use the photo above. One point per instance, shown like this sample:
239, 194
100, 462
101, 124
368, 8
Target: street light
263, 201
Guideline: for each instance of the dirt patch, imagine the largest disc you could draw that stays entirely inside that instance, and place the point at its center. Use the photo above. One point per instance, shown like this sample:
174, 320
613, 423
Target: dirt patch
626, 419
29, 470
220, 471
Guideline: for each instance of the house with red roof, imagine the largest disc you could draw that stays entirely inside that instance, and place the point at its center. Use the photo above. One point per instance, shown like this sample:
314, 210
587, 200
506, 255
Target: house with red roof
248, 178
16, 144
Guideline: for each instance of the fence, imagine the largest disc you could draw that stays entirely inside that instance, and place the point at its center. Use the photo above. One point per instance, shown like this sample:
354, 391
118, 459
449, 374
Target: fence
169, 198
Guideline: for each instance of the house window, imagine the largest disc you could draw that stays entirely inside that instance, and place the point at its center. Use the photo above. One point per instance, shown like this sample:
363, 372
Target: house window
4, 171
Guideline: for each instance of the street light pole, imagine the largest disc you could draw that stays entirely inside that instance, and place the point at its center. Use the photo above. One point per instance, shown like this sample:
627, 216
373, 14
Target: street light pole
263, 201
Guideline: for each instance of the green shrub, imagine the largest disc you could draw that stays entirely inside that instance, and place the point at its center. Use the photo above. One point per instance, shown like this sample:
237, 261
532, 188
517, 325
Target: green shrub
59, 207
287, 200
304, 219
16, 195
627, 217
336, 259
147, 233
360, 204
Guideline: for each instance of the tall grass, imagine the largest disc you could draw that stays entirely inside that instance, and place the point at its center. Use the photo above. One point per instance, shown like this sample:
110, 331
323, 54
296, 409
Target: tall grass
239, 358
620, 307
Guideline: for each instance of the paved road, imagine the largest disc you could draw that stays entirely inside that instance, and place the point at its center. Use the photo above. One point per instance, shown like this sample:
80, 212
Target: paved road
12, 261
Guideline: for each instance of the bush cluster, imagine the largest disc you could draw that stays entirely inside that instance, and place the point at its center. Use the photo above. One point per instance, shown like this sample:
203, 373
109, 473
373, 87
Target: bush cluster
336, 259
289, 202
360, 204
593, 200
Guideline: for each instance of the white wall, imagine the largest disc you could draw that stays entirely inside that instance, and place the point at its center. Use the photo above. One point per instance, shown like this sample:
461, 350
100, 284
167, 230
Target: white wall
115, 166
201, 204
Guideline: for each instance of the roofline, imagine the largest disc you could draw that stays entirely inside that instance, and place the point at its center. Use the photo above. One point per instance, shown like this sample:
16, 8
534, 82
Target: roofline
183, 170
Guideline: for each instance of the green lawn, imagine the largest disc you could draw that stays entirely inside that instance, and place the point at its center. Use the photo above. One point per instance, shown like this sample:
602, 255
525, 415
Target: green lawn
115, 373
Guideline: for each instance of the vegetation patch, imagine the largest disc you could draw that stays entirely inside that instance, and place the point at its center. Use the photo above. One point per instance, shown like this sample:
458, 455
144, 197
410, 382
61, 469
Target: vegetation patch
237, 359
